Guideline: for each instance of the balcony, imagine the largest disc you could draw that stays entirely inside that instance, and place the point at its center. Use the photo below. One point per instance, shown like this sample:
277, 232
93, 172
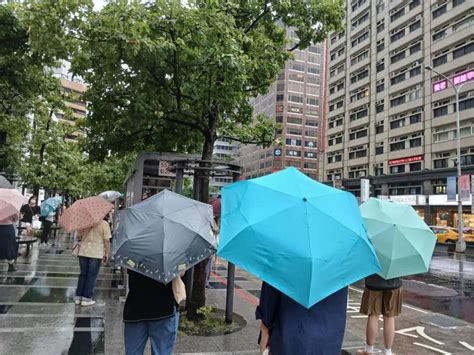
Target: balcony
336, 165
338, 129
357, 103
410, 105
337, 77
334, 148
409, 82
359, 10
448, 40
405, 152
357, 161
356, 142
451, 13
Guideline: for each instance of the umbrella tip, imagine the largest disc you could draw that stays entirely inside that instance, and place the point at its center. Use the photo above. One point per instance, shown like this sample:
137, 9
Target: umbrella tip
305, 199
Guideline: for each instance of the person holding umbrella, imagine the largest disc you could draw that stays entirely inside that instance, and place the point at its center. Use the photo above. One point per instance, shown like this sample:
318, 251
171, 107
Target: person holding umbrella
404, 245
10, 203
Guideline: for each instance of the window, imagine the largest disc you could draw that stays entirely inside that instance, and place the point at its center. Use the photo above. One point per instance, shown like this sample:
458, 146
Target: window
397, 146
312, 101
364, 17
359, 113
310, 133
310, 166
314, 80
398, 101
380, 65
380, 86
358, 152
440, 163
465, 104
415, 166
415, 118
396, 15
397, 169
397, 123
440, 60
280, 97
379, 128
380, 45
415, 71
311, 155
297, 66
380, 25
359, 75
357, 133
295, 98
296, 77
397, 79
294, 163
359, 94
313, 70
360, 57
414, 26
314, 49
397, 57
379, 150
415, 142
415, 48
361, 38
397, 36
312, 59
310, 144
440, 111
311, 112
294, 120
379, 106
458, 2
312, 123
294, 131
414, 4
439, 11
280, 86
459, 52
439, 35
293, 153
293, 142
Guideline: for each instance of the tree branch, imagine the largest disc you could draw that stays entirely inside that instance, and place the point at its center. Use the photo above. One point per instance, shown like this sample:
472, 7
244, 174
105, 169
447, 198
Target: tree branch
235, 139
265, 11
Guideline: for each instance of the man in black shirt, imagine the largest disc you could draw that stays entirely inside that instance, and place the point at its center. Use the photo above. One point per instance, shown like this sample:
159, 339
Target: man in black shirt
28, 211
151, 312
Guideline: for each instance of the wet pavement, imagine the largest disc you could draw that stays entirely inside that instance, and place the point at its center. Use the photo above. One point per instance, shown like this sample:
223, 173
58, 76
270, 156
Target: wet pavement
38, 316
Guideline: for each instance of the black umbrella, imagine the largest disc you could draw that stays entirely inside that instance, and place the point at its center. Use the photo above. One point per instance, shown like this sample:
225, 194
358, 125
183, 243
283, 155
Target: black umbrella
164, 235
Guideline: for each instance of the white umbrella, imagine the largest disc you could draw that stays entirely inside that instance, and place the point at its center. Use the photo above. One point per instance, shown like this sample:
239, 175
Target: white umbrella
110, 196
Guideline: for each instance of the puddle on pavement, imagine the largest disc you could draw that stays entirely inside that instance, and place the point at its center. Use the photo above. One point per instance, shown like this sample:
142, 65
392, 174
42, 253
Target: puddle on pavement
87, 343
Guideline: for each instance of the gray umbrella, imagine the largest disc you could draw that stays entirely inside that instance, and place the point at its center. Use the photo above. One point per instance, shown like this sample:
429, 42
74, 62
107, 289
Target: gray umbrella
164, 235
4, 183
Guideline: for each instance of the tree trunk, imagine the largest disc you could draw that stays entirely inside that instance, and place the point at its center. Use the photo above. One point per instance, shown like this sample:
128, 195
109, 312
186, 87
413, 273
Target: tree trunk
198, 297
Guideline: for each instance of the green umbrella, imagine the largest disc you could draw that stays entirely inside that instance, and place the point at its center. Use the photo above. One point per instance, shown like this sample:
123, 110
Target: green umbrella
404, 244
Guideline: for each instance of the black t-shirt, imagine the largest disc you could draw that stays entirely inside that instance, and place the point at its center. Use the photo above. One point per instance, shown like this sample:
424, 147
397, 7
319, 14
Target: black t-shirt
28, 212
376, 283
148, 299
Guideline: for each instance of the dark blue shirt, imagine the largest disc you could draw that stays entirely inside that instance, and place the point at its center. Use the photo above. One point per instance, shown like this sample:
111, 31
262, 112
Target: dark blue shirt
295, 329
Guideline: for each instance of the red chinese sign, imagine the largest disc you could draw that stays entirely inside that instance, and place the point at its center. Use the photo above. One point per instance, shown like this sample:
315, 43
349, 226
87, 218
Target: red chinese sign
457, 79
405, 160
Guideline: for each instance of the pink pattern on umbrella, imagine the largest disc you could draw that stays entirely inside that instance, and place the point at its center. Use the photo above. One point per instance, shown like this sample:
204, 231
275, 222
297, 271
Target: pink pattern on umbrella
85, 213
10, 203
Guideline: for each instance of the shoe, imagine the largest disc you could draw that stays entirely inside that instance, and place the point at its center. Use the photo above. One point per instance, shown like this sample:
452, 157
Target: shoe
12, 267
77, 301
87, 303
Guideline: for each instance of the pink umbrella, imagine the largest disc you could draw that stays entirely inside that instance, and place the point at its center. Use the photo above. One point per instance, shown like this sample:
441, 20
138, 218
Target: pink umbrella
85, 213
10, 203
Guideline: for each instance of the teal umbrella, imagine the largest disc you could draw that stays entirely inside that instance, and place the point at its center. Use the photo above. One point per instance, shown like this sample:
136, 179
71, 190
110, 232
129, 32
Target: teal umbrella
50, 205
403, 242
304, 238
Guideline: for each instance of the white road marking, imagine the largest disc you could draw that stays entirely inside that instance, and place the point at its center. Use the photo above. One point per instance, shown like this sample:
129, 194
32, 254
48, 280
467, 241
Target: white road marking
420, 331
467, 345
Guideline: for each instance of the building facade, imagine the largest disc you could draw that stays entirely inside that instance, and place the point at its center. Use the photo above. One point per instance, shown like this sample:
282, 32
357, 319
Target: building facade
295, 101
73, 88
224, 149
389, 119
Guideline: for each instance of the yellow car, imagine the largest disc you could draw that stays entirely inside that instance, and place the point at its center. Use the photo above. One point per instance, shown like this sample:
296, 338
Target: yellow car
444, 234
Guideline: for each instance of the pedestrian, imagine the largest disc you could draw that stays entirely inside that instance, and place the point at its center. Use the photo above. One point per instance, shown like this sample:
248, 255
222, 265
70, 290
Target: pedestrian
94, 249
8, 244
151, 311
381, 297
47, 223
216, 209
289, 328
29, 212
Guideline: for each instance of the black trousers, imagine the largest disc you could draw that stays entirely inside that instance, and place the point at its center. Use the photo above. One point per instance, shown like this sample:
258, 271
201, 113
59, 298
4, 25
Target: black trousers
46, 230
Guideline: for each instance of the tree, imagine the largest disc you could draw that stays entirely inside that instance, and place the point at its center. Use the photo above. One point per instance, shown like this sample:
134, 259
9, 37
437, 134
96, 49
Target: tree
178, 75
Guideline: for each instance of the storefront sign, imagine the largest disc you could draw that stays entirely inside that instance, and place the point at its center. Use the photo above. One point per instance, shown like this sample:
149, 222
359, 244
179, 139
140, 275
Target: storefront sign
277, 152
465, 187
364, 190
457, 79
413, 200
405, 160
442, 200
451, 188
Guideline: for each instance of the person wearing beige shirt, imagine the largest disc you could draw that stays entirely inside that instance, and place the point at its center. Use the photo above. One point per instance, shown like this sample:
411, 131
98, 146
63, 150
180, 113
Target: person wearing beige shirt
94, 249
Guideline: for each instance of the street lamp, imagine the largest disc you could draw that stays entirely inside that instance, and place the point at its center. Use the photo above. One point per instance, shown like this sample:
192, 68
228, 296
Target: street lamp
461, 243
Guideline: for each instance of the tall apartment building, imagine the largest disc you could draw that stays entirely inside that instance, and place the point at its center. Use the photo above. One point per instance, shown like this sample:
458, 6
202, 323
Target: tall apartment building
74, 88
296, 102
224, 149
387, 118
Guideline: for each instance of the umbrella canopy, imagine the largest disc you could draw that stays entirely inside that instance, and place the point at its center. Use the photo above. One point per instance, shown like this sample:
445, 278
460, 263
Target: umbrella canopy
85, 213
403, 242
304, 238
10, 202
164, 235
50, 205
4, 183
110, 196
